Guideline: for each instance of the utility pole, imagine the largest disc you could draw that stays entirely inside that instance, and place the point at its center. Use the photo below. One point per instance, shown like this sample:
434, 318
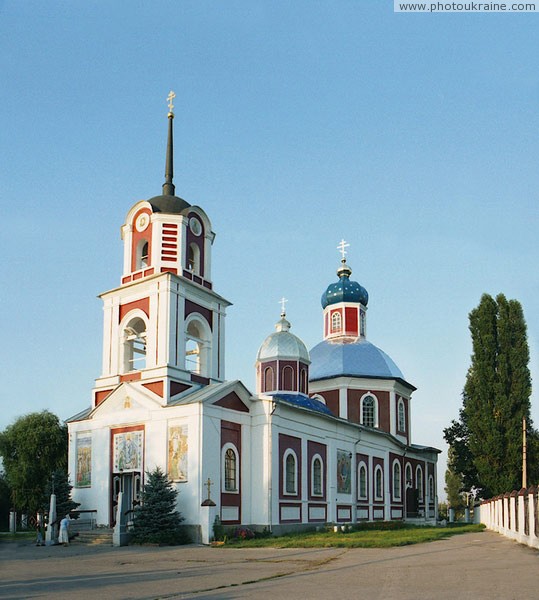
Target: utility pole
524, 466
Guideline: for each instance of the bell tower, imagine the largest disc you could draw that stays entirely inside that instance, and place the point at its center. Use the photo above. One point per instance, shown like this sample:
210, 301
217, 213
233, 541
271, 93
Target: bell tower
164, 324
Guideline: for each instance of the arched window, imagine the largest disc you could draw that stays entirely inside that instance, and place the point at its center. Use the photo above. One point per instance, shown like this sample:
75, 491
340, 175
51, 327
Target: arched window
288, 379
378, 483
291, 472
268, 380
409, 480
193, 258
431, 488
134, 345
362, 481
401, 416
369, 416
197, 347
397, 480
303, 381
336, 322
419, 482
230, 462
316, 477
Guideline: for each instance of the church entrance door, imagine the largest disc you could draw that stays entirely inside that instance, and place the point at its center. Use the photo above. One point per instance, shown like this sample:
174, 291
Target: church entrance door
412, 503
131, 485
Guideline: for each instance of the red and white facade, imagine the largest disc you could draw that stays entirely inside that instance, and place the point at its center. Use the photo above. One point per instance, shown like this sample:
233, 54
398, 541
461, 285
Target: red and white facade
276, 459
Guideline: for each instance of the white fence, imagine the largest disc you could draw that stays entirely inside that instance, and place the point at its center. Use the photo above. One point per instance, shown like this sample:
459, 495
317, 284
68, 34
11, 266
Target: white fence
514, 515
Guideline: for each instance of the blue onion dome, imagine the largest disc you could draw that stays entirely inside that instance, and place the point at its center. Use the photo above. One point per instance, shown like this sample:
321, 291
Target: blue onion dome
283, 345
344, 290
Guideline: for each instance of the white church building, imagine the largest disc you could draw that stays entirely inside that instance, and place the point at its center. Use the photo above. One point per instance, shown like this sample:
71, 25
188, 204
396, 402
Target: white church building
325, 438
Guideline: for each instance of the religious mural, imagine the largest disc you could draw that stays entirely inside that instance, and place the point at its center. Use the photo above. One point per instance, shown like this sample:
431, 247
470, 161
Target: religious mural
128, 447
83, 477
177, 452
344, 472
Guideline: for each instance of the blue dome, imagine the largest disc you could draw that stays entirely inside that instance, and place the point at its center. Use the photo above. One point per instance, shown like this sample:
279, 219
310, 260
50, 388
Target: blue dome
344, 290
354, 359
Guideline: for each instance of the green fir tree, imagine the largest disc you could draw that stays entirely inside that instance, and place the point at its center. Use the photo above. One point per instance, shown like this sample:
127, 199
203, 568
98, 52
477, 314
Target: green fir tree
486, 442
60, 486
156, 520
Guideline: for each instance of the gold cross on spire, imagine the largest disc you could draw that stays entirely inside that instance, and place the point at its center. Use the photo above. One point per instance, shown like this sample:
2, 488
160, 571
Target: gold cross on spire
170, 98
341, 247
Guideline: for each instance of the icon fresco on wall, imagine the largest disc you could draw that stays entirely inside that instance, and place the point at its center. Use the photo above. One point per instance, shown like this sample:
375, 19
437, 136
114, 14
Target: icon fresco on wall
177, 452
344, 472
128, 451
83, 476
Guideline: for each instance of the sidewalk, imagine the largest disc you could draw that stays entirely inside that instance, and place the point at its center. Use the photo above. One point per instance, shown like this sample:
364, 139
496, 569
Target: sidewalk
482, 565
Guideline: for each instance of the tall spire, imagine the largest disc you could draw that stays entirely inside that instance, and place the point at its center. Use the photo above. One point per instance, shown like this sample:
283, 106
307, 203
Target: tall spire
168, 186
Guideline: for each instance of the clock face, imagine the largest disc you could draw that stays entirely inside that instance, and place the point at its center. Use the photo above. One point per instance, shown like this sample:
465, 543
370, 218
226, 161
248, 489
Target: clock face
195, 226
142, 222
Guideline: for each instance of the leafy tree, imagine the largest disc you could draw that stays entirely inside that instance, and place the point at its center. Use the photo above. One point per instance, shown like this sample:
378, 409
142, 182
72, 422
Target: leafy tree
453, 484
156, 520
5, 503
60, 486
487, 440
32, 448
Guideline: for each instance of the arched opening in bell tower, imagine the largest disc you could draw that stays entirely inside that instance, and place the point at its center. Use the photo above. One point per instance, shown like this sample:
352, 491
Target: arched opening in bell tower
197, 347
134, 345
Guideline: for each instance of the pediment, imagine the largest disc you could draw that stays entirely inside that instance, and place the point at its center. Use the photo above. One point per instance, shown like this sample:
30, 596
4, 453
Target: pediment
233, 402
128, 401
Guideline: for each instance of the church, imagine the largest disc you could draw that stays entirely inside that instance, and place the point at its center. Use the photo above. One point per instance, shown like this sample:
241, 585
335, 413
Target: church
325, 438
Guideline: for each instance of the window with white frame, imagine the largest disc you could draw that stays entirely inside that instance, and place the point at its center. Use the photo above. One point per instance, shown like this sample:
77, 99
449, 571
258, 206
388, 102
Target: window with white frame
408, 479
230, 464
402, 415
134, 345
369, 410
378, 483
316, 476
336, 322
290, 468
362, 484
397, 485
419, 482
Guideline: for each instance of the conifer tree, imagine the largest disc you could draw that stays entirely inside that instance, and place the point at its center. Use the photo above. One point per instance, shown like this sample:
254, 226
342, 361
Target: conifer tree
156, 520
60, 486
487, 440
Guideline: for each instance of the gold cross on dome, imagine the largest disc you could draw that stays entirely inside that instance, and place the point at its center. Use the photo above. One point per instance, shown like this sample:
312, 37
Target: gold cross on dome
170, 98
282, 302
341, 247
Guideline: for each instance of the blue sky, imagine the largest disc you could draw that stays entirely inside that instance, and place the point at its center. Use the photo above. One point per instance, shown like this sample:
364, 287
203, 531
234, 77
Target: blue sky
415, 137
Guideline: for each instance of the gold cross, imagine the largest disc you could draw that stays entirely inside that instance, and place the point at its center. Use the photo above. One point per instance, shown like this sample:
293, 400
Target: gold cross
170, 98
282, 302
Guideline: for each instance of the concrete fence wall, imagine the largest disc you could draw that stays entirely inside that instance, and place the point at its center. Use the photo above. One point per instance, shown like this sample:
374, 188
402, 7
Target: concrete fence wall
514, 515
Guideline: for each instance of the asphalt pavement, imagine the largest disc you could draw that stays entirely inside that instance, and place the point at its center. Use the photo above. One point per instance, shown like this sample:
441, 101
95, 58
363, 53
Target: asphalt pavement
477, 565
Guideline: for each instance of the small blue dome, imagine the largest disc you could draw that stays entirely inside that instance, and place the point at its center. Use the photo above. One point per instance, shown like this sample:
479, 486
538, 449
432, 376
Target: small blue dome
344, 290
355, 359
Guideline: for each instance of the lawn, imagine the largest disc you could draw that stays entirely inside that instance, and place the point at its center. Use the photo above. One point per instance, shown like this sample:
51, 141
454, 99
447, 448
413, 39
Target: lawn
356, 539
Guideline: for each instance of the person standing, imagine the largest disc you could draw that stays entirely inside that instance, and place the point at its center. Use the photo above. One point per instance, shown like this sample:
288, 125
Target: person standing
63, 537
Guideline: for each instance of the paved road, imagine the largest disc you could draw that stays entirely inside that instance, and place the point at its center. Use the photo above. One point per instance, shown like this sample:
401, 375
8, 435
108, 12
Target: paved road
479, 565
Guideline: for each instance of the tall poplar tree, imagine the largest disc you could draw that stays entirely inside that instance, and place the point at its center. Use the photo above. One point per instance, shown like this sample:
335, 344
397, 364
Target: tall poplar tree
486, 442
